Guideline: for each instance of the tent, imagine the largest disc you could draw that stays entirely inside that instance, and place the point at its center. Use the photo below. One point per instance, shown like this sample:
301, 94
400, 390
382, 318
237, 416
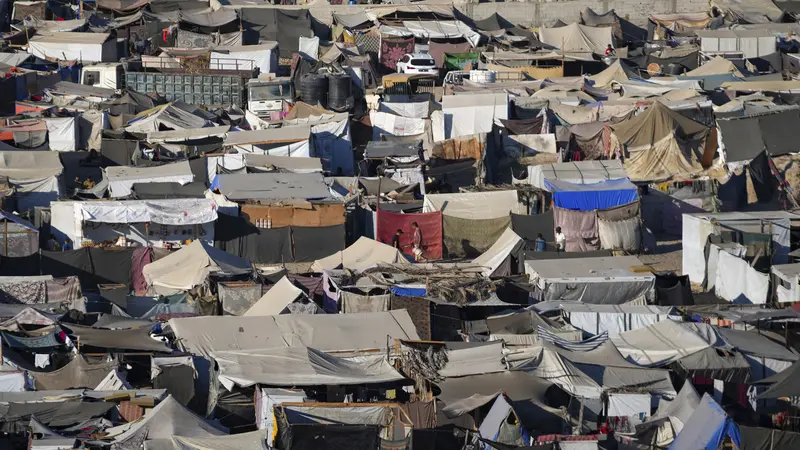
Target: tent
615, 73
264, 57
357, 331
62, 133
362, 254
122, 178
281, 25
675, 413
707, 428
502, 425
783, 383
190, 267
497, 260
615, 319
64, 45
276, 299
36, 177
592, 196
169, 418
577, 38
466, 115
474, 205
662, 144
744, 138
167, 116
716, 66
754, 438
253, 440
272, 186
765, 356
591, 280
300, 366
578, 172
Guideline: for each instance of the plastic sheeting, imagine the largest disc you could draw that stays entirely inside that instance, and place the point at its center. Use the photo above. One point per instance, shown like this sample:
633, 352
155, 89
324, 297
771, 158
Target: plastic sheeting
183, 211
309, 47
474, 205
300, 366
418, 110
503, 248
707, 428
385, 123
62, 133
465, 115
664, 342
78, 373
739, 283
264, 57
629, 405
121, 178
596, 319
621, 235
587, 197
204, 335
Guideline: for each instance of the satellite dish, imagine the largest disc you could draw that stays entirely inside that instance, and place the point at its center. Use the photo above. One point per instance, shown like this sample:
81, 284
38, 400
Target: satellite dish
653, 68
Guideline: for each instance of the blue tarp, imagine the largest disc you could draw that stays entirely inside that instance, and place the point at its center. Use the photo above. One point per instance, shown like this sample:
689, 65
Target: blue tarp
707, 428
588, 197
408, 291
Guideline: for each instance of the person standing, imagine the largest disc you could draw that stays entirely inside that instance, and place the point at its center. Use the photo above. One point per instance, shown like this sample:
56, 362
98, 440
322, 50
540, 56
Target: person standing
561, 240
417, 246
541, 244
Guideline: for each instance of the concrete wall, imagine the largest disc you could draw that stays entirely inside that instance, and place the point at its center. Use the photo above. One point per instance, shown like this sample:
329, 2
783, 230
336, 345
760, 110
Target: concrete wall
538, 13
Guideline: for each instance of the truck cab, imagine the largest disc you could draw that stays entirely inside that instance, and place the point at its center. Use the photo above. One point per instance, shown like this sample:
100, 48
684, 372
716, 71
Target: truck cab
266, 96
104, 75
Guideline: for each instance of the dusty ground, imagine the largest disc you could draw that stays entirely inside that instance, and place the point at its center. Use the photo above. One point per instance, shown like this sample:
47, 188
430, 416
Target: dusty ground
667, 256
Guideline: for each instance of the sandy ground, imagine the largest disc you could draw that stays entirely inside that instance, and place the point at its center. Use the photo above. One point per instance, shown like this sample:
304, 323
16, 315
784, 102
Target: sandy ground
668, 255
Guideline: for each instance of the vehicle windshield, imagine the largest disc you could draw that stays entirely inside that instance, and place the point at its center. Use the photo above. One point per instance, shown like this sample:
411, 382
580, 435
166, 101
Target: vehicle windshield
422, 62
271, 92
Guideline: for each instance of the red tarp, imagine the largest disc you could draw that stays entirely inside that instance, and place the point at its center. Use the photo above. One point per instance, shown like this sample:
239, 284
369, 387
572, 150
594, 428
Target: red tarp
429, 223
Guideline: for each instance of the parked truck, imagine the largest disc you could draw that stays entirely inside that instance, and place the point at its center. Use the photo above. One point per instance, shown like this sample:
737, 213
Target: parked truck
212, 90
267, 96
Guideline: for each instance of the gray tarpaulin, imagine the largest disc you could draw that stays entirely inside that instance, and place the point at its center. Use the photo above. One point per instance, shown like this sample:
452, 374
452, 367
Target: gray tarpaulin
579, 227
300, 366
130, 339
254, 440
78, 373
237, 298
622, 235
203, 335
355, 303
471, 237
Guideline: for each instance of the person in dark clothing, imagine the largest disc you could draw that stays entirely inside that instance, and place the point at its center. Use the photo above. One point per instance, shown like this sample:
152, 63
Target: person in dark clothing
396, 239
541, 244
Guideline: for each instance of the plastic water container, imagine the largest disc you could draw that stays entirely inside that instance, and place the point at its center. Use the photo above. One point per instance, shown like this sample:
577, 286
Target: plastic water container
482, 76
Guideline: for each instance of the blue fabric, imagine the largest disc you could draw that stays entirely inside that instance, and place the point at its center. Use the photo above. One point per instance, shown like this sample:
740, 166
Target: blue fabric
706, 428
408, 291
541, 245
588, 197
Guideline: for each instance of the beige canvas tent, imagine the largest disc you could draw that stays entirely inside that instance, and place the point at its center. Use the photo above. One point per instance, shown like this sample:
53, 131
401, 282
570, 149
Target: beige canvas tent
363, 253
190, 267
614, 72
716, 66
660, 144
577, 38
276, 299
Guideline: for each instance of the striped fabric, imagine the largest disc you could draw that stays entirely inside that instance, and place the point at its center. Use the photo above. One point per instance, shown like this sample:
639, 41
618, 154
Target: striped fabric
577, 346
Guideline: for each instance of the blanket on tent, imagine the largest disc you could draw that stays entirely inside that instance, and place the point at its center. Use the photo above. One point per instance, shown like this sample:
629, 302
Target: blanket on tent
468, 238
392, 50
580, 228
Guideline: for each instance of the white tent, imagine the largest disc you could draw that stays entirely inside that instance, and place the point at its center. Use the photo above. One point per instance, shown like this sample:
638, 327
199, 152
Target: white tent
466, 115
263, 56
474, 205
122, 178
616, 319
63, 45
276, 299
491, 260
62, 133
190, 267
364, 253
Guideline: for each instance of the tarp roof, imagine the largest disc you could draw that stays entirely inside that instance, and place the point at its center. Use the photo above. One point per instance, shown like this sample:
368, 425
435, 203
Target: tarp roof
23, 165
67, 37
169, 418
767, 86
130, 339
717, 66
664, 342
254, 440
577, 172
753, 343
296, 164
300, 366
358, 331
677, 412
191, 266
363, 253
577, 38
706, 428
156, 190
167, 116
749, 11
187, 134
474, 205
598, 269
462, 395
276, 299
78, 373
767, 438
209, 18
82, 90
784, 383
745, 138
353, 20
493, 258
269, 136
616, 72
272, 186
653, 125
